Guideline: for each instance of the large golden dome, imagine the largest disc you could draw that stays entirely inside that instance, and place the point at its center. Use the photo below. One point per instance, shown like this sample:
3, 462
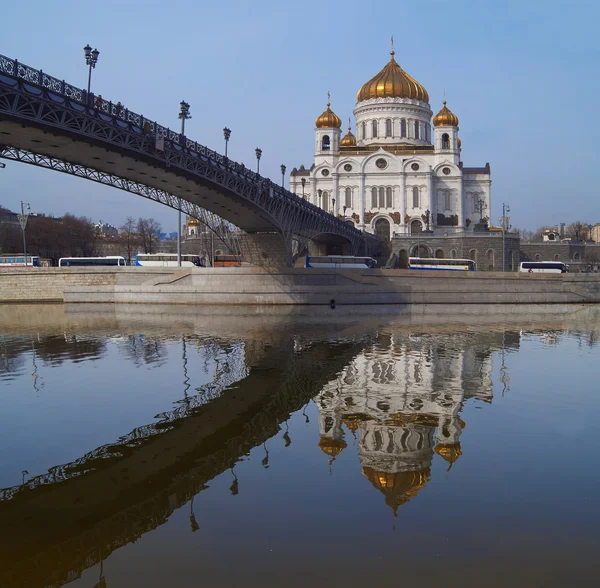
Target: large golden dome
329, 119
392, 82
445, 118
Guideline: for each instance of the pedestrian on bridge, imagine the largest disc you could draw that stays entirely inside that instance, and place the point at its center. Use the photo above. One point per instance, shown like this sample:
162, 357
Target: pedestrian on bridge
99, 101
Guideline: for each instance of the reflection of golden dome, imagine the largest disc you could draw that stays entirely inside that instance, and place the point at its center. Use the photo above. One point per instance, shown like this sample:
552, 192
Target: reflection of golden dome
351, 422
397, 488
329, 119
392, 82
331, 447
445, 118
449, 451
348, 140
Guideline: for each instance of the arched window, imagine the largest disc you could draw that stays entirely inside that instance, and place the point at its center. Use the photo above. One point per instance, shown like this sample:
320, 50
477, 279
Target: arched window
325, 143
373, 197
490, 259
416, 129
557, 257
382, 228
416, 226
325, 201
348, 197
388, 128
364, 130
403, 128
473, 255
374, 128
439, 253
388, 198
415, 192
538, 257
445, 141
381, 197
447, 198
453, 254
576, 256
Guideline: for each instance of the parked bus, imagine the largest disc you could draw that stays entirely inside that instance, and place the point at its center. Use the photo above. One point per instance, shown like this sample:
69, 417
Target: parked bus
166, 260
433, 263
340, 262
111, 260
544, 267
18, 260
227, 261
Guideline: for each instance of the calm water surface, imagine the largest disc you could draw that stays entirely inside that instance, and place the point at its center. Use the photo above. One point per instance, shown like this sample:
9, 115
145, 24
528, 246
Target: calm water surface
182, 447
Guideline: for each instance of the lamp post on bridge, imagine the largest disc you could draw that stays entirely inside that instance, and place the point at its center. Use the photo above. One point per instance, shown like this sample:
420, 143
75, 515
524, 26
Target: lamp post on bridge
333, 206
258, 153
303, 182
91, 58
23, 218
184, 114
226, 135
320, 193
283, 168
344, 209
505, 209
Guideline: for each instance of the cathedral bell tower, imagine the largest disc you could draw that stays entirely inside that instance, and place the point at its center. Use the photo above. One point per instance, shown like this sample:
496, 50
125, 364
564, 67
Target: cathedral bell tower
446, 134
328, 131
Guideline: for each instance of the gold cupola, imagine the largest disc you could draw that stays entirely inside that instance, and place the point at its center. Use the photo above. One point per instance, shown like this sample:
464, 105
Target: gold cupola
445, 118
392, 82
348, 140
329, 119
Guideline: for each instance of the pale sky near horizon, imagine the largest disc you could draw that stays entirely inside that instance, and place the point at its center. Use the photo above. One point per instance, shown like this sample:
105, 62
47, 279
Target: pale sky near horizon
522, 76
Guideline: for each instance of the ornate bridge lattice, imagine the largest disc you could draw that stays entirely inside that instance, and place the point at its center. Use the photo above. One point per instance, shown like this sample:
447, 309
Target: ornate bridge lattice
46, 122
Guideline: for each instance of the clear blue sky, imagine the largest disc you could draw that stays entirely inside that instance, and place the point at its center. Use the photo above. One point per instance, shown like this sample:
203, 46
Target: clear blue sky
522, 75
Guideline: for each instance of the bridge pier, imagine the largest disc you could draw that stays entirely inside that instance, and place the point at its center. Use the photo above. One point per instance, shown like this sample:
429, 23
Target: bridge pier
266, 250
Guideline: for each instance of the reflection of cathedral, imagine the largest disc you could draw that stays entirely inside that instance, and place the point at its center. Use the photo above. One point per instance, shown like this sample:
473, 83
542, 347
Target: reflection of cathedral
403, 399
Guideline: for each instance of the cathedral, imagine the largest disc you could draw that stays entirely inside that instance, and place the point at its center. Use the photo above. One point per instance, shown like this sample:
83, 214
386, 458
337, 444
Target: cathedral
400, 173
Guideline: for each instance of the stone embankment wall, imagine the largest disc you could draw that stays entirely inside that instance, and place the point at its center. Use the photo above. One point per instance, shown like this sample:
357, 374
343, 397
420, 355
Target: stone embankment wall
49, 284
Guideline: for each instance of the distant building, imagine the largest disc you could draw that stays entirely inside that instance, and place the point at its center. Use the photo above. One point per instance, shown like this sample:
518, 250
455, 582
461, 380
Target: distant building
106, 230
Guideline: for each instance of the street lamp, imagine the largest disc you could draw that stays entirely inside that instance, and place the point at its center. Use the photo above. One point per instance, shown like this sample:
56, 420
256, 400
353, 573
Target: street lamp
505, 209
282, 175
91, 58
226, 134
333, 206
344, 209
23, 218
303, 182
184, 114
320, 193
258, 154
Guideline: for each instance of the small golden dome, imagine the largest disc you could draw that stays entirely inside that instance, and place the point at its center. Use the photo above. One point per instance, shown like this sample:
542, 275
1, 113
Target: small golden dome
445, 118
449, 451
392, 82
329, 119
332, 447
348, 140
459, 142
193, 222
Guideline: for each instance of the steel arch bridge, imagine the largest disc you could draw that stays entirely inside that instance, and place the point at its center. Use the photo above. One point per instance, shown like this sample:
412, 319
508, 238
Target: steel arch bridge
48, 123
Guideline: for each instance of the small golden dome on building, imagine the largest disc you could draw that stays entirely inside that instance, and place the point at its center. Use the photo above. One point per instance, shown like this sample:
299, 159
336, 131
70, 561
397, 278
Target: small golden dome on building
459, 142
348, 140
445, 118
392, 82
192, 222
332, 447
329, 119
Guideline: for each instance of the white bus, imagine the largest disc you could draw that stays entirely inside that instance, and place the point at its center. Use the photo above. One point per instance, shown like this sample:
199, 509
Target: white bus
544, 267
433, 263
340, 262
111, 260
18, 260
166, 260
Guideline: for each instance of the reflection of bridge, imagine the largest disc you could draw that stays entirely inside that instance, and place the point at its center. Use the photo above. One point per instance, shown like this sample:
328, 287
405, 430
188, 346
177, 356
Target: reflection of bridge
52, 531
49, 123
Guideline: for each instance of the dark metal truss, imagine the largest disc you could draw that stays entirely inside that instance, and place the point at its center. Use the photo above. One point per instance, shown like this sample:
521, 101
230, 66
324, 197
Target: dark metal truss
224, 231
33, 98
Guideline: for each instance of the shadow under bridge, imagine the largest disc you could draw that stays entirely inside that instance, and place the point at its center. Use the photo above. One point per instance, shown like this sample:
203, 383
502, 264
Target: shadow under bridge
48, 123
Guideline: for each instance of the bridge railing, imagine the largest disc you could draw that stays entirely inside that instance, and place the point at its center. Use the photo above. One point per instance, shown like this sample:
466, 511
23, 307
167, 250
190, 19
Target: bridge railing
36, 77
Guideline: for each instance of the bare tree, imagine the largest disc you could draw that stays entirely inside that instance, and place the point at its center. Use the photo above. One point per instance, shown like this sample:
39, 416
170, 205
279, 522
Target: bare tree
128, 236
577, 231
147, 230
